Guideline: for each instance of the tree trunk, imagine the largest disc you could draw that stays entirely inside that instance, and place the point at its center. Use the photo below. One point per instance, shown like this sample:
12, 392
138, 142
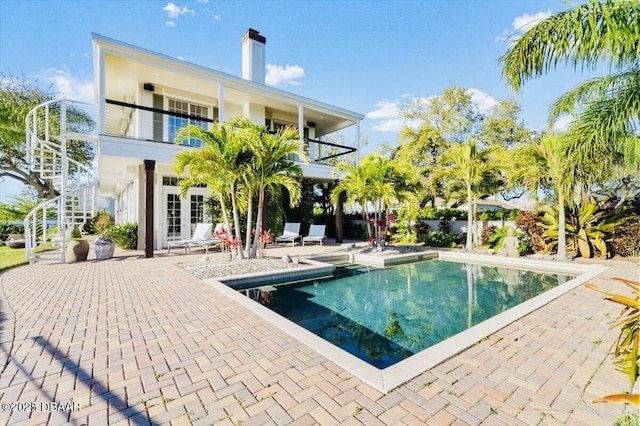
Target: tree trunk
469, 244
249, 221
562, 233
236, 221
256, 237
225, 214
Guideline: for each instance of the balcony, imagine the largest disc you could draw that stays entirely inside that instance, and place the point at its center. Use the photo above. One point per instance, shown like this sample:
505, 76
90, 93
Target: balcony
131, 121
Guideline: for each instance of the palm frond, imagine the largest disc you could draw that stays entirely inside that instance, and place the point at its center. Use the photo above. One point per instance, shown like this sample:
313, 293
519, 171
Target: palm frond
583, 36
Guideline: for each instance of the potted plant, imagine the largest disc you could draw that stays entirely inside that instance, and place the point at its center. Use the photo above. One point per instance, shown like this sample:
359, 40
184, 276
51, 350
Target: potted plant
104, 247
78, 248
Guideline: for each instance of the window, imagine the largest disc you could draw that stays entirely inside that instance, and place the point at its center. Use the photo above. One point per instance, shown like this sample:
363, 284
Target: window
176, 123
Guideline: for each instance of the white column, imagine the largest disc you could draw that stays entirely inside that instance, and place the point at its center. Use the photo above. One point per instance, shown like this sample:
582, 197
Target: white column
101, 91
301, 122
221, 102
358, 143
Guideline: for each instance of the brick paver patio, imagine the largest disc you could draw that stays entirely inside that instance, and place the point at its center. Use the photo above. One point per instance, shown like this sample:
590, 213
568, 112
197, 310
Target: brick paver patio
140, 341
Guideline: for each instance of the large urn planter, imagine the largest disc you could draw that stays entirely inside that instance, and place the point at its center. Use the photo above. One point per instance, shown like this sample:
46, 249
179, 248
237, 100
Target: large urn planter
15, 242
104, 247
77, 250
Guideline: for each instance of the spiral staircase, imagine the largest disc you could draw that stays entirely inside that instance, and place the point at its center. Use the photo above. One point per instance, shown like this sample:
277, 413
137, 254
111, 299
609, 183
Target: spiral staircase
51, 129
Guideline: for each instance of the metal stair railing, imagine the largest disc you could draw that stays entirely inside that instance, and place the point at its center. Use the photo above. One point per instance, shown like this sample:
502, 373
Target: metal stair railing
49, 128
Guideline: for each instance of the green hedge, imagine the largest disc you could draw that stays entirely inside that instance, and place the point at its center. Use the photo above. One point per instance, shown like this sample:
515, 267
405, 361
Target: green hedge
125, 236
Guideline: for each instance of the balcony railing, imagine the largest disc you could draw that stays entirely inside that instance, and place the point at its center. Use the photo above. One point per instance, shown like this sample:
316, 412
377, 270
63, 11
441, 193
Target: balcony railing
131, 121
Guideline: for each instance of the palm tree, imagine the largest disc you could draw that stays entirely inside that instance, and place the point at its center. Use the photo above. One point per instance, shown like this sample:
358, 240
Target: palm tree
355, 183
273, 167
221, 163
547, 166
606, 110
467, 166
376, 181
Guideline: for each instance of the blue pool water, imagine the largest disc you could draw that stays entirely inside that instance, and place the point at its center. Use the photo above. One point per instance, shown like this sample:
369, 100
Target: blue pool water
383, 316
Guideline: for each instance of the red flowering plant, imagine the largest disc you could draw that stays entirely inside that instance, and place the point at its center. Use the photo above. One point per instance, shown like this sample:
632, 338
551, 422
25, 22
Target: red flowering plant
227, 241
265, 238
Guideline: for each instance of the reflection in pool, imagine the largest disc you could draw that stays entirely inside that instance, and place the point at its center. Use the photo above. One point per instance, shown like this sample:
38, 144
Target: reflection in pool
383, 316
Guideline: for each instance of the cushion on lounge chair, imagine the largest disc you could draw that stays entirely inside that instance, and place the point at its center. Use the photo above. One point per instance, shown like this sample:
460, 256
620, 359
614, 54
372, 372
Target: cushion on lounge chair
201, 236
291, 233
316, 234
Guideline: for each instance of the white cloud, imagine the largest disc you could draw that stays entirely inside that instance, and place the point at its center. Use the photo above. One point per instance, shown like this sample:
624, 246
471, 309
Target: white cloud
390, 115
522, 24
392, 125
562, 123
288, 75
68, 86
390, 118
170, 23
525, 22
175, 11
483, 101
385, 109
212, 13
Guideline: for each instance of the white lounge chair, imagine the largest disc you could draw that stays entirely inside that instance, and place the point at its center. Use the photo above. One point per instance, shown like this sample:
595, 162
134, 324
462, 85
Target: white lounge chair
316, 234
291, 233
201, 237
213, 238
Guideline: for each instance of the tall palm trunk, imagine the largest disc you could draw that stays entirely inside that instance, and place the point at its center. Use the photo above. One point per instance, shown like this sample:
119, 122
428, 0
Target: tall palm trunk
249, 221
258, 230
225, 214
469, 244
562, 233
236, 222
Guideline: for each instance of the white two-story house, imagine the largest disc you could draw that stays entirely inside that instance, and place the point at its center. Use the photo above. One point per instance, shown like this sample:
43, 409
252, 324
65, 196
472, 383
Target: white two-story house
144, 97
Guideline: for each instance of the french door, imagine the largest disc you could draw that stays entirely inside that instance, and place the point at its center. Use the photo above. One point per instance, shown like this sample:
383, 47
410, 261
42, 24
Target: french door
180, 216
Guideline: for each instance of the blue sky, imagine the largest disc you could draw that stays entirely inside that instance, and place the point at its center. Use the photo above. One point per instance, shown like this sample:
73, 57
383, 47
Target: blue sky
365, 56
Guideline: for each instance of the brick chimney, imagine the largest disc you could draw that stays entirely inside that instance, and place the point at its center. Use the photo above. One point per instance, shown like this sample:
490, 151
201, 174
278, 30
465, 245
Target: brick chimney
253, 62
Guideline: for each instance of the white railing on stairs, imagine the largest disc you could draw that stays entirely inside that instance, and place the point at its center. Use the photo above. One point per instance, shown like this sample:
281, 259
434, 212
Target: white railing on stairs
51, 128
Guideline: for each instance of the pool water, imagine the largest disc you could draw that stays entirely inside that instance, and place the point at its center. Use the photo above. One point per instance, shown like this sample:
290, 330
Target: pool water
383, 316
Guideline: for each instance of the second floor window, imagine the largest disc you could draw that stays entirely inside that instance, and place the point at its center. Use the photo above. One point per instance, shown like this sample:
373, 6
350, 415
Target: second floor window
193, 110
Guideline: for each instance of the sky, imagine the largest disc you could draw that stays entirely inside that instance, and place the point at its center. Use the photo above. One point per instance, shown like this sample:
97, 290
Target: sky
365, 56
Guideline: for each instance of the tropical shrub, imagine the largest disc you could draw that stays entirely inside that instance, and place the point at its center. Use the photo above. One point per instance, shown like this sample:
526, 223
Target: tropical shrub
626, 355
440, 239
421, 230
487, 232
588, 226
404, 233
99, 223
444, 226
125, 236
527, 223
499, 214
626, 241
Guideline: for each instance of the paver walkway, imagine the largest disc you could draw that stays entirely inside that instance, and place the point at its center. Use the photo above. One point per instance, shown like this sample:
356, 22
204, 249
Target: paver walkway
140, 341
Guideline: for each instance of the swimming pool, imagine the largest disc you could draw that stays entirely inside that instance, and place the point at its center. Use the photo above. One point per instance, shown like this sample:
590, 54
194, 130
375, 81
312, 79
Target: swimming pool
384, 316
387, 379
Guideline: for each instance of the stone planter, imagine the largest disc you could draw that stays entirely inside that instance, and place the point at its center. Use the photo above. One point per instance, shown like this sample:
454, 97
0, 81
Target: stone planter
77, 250
104, 247
15, 243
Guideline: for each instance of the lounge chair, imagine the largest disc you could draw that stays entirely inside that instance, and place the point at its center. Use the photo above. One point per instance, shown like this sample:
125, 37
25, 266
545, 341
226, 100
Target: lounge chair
213, 238
316, 234
201, 237
291, 233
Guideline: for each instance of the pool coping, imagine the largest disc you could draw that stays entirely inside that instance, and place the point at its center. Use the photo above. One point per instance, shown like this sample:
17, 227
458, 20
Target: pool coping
391, 377
313, 270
